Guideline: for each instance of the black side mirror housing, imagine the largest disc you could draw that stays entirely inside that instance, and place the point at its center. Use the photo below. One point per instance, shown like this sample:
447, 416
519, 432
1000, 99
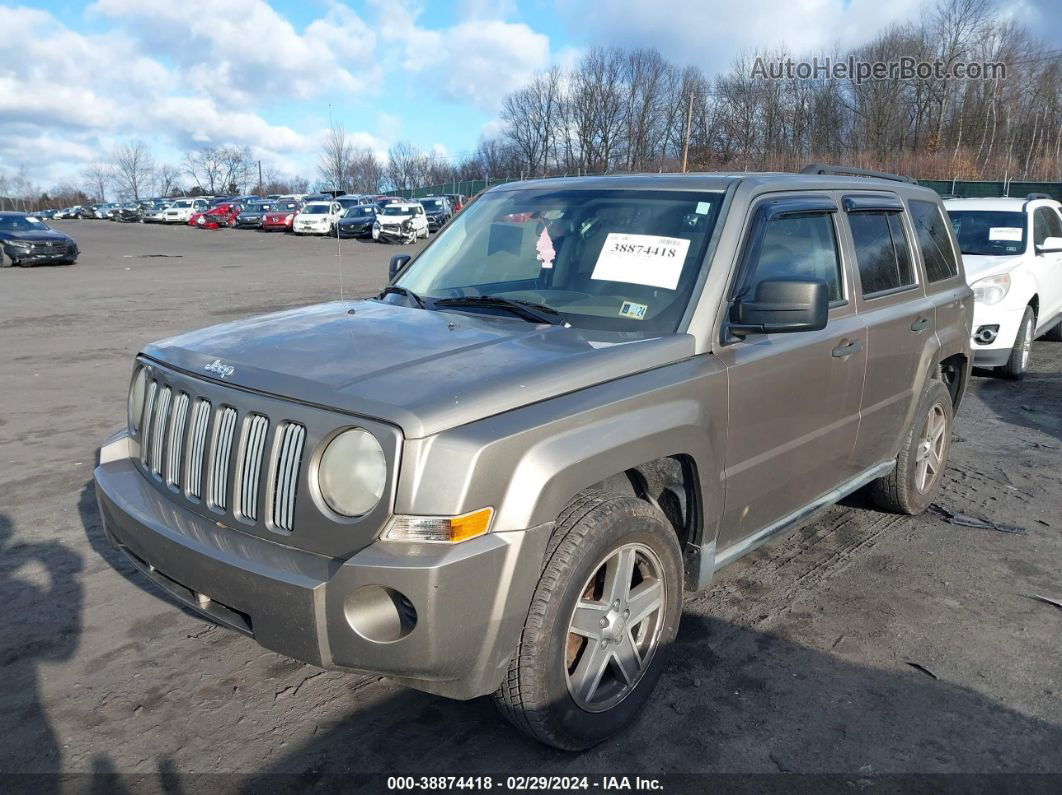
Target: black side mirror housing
781, 306
398, 261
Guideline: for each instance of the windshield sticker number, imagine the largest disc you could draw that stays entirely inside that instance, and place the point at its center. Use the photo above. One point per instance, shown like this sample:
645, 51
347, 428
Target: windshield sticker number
641, 259
633, 310
1010, 233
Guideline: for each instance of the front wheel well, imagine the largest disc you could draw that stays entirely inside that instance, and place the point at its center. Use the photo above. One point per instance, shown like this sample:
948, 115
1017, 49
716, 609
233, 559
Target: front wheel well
953, 372
669, 484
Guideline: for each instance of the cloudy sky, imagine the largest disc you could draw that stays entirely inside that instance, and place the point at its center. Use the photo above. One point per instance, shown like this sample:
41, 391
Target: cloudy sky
78, 77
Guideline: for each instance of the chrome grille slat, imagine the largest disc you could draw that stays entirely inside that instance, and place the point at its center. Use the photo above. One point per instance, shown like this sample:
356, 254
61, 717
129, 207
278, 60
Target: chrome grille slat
219, 466
175, 443
158, 429
256, 427
200, 422
288, 464
145, 421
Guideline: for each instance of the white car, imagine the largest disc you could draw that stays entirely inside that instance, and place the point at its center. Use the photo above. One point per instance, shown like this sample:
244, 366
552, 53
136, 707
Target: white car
400, 222
181, 210
317, 218
1012, 251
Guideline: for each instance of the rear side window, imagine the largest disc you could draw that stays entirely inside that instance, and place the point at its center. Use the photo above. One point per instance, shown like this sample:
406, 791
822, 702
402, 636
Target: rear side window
796, 247
882, 251
933, 241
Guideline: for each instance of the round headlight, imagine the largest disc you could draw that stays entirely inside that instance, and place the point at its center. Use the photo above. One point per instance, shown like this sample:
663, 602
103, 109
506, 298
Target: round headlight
136, 398
352, 473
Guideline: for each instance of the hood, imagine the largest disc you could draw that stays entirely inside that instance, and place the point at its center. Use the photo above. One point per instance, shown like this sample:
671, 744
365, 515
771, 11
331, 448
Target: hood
357, 219
393, 219
33, 235
424, 371
979, 266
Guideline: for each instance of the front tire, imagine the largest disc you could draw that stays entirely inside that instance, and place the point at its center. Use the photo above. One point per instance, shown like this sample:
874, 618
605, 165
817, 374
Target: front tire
1018, 362
603, 616
4, 262
915, 482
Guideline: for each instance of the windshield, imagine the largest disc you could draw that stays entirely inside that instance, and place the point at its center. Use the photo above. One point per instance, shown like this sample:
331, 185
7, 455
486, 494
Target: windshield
397, 209
19, 223
282, 206
315, 209
259, 207
623, 260
431, 204
359, 212
994, 233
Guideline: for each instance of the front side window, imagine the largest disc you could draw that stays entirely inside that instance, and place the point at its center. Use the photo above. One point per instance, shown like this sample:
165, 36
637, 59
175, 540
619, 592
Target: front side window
1045, 224
611, 259
793, 247
882, 252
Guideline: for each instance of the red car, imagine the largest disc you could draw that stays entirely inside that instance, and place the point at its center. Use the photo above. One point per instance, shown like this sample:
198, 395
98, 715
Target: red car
281, 216
216, 217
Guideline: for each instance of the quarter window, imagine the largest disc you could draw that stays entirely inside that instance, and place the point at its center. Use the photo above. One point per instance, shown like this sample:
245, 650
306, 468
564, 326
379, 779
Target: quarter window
796, 247
933, 241
882, 252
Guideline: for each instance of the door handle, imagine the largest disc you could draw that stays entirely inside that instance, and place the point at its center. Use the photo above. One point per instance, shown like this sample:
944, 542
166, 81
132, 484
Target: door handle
847, 349
920, 324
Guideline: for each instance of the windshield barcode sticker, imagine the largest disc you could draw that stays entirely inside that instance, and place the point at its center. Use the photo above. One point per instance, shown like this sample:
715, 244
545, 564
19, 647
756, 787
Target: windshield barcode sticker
1009, 233
641, 259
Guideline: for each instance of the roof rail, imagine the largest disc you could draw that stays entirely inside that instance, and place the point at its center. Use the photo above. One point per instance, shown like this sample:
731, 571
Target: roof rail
1035, 196
852, 171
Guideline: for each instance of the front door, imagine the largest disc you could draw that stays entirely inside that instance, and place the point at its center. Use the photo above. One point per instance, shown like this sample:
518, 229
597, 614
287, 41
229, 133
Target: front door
794, 397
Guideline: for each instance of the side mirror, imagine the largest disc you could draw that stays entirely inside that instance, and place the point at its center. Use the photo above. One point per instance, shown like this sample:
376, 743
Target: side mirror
782, 306
398, 261
1050, 245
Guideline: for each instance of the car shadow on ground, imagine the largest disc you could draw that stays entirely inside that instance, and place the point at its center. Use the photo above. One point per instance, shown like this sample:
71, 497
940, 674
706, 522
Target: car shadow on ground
1033, 403
36, 580
734, 700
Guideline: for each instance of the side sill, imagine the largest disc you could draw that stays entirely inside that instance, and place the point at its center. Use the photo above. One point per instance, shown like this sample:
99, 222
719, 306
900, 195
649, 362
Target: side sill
746, 545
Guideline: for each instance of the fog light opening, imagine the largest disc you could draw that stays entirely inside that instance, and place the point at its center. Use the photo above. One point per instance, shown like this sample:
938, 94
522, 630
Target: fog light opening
986, 335
380, 614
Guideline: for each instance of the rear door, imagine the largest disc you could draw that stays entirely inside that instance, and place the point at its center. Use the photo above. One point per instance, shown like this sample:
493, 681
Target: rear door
900, 321
794, 398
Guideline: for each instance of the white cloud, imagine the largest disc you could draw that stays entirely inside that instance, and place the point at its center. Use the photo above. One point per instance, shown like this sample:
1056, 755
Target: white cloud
712, 34
476, 61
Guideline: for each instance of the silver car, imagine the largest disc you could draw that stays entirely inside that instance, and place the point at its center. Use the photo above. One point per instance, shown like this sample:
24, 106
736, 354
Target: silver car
579, 402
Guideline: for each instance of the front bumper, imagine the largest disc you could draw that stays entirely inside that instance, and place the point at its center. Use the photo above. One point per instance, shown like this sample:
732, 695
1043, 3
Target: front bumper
470, 599
31, 255
1008, 318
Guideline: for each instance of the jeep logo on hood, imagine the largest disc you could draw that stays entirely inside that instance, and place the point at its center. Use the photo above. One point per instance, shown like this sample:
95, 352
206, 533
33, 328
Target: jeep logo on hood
219, 369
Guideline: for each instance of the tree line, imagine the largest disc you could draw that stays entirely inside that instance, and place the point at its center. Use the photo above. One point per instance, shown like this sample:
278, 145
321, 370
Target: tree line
630, 109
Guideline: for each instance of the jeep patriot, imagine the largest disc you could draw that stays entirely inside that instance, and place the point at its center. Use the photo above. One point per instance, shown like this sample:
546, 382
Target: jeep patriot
582, 399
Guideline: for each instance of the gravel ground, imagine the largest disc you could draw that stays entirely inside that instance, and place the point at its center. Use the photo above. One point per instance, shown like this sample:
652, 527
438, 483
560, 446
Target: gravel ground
866, 643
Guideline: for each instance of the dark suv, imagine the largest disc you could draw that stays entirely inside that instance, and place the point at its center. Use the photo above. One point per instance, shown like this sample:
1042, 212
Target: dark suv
581, 399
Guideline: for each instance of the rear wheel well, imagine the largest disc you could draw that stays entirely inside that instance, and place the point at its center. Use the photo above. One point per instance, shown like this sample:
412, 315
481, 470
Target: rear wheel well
954, 372
669, 484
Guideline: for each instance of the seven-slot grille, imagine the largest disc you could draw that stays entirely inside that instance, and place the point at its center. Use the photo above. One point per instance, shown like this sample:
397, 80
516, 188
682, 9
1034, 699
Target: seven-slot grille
189, 444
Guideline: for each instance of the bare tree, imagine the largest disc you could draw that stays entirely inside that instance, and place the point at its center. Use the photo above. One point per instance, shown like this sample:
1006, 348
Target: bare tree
166, 179
365, 172
237, 168
97, 176
334, 165
133, 167
205, 166
405, 166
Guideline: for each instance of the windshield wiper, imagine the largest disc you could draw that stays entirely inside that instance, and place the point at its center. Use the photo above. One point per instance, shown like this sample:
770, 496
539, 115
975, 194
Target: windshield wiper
538, 313
393, 289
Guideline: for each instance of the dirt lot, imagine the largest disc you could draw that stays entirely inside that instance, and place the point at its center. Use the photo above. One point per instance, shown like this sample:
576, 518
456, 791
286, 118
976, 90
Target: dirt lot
867, 643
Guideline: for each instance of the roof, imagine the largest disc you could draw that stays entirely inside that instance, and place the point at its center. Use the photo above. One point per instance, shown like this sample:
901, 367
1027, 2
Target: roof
1014, 204
714, 181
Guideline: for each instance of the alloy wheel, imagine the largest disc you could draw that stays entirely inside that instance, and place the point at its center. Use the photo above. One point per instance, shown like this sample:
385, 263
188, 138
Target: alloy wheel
614, 629
930, 456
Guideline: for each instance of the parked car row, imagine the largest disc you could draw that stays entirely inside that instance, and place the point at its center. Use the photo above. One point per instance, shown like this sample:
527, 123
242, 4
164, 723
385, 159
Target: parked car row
387, 219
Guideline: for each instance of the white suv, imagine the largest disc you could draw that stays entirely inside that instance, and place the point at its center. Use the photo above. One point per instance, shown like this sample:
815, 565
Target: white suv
317, 218
400, 222
1012, 251
181, 210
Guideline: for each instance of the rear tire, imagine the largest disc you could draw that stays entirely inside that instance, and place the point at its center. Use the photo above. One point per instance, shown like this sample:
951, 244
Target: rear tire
4, 262
1018, 362
603, 616
915, 482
